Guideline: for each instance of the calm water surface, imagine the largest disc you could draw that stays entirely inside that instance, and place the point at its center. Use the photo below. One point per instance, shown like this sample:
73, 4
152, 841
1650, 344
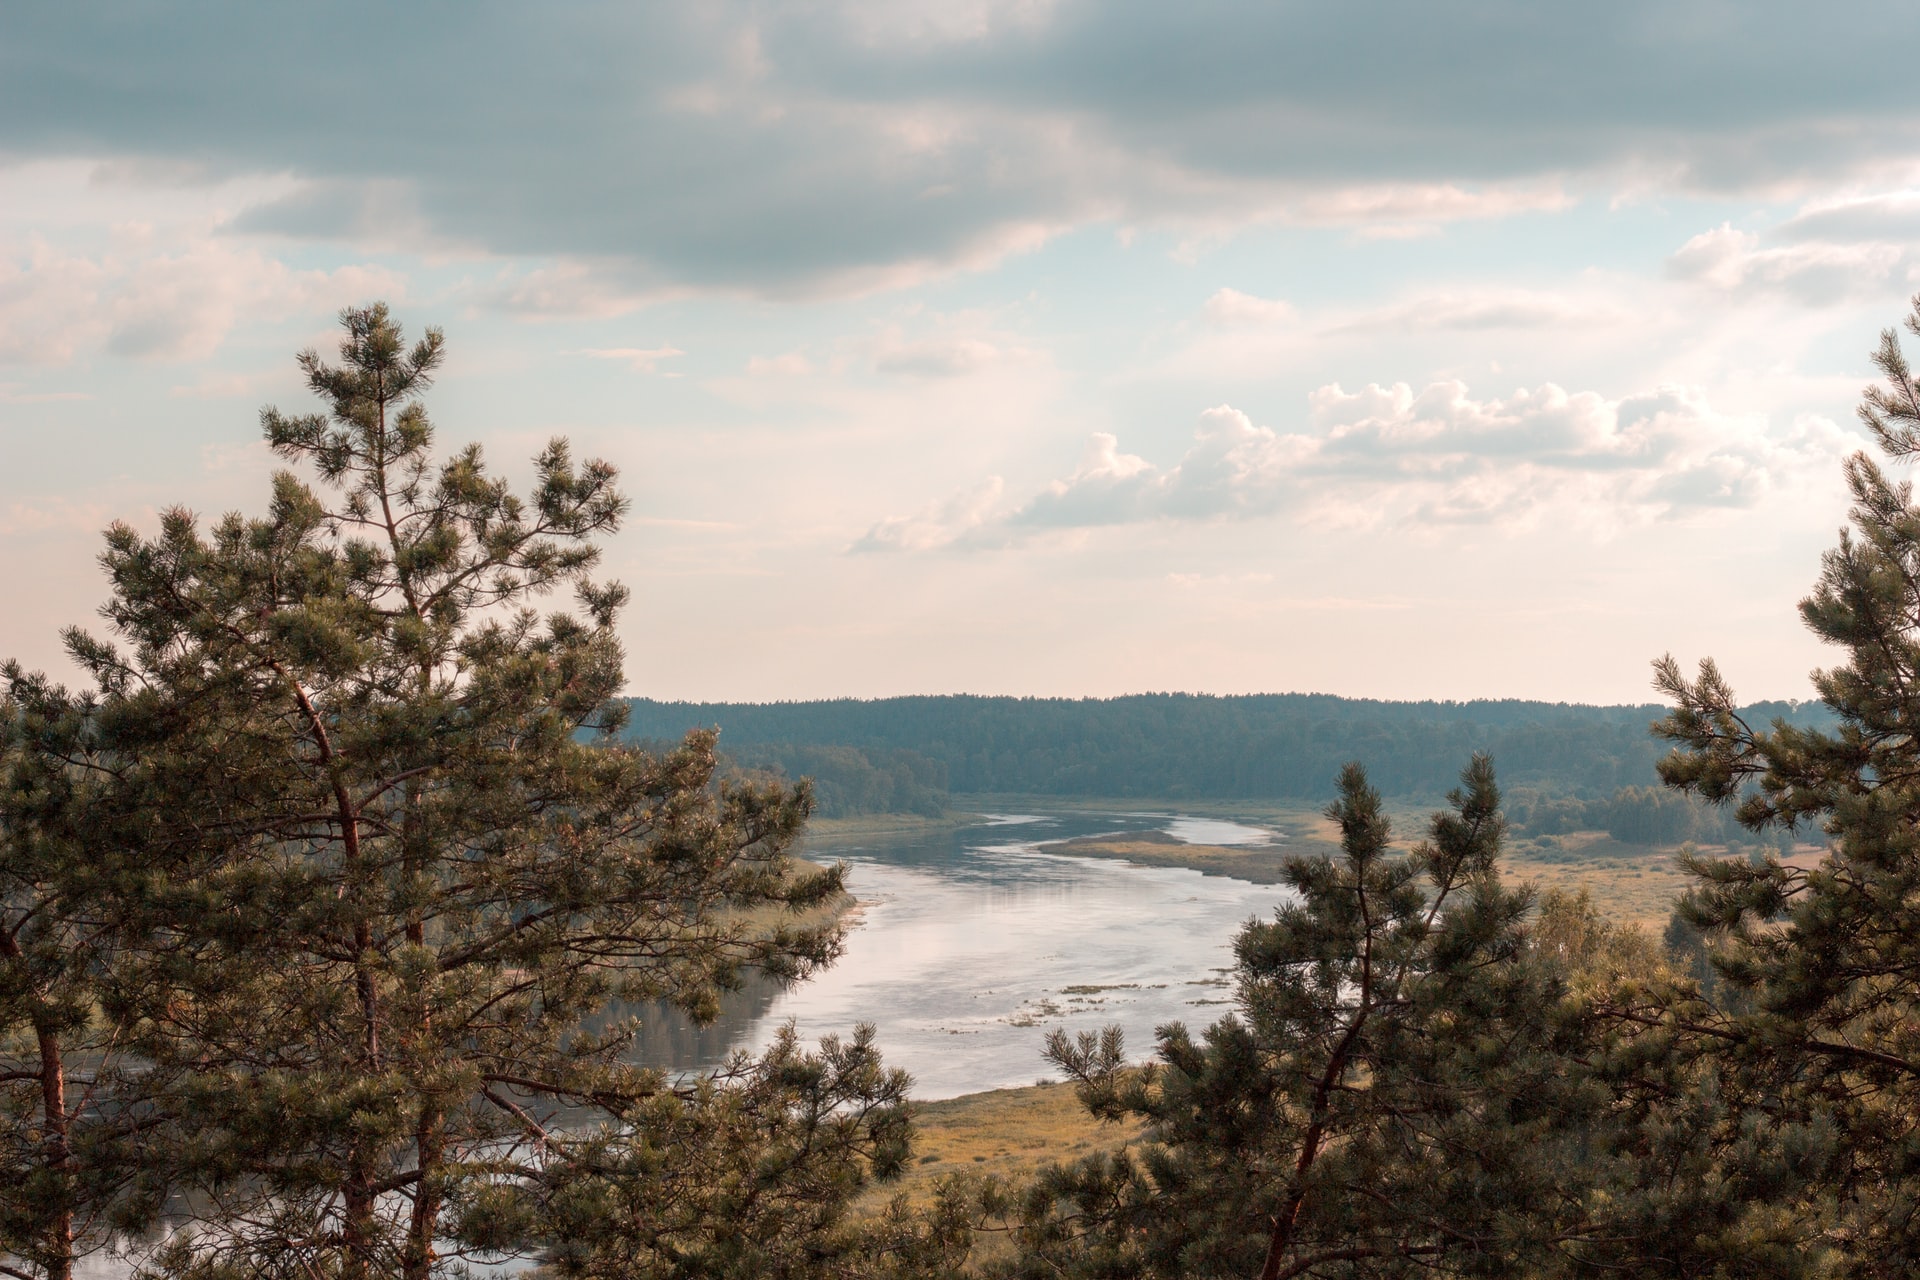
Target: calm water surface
972, 944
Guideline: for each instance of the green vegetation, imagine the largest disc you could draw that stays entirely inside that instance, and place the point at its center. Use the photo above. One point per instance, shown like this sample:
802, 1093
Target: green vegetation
321, 906
848, 782
1181, 747
330, 851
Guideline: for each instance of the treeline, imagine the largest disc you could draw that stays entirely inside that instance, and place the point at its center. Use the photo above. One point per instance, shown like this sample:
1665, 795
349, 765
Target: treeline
1650, 815
848, 781
900, 753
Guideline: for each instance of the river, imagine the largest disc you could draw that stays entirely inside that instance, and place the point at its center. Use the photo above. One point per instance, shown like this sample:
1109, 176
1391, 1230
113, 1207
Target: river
969, 945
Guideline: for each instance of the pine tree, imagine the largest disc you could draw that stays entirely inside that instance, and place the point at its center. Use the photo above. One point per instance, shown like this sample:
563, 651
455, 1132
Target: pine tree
1825, 1036
1388, 1100
752, 1173
54, 1055
374, 862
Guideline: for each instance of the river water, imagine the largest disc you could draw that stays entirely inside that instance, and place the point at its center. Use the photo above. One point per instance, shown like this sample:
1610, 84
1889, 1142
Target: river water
970, 945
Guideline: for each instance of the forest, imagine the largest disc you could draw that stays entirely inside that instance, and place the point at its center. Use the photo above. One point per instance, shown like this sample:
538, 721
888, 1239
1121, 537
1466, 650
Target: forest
1176, 746
1566, 768
322, 895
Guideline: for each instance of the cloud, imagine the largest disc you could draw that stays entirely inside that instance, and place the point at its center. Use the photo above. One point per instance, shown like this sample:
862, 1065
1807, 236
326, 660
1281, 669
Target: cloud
959, 344
639, 359
13, 393
794, 149
54, 515
220, 386
940, 524
948, 357
1815, 273
48, 305
1892, 216
1232, 309
568, 291
791, 364
1389, 455
1484, 309
161, 303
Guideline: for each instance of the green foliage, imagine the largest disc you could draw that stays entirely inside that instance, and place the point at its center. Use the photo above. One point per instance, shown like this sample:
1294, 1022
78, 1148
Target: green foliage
1389, 1097
752, 1172
1267, 746
847, 782
364, 860
1631, 815
1824, 1040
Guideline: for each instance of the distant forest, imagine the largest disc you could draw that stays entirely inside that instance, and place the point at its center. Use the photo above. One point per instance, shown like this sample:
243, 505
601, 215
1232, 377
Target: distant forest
1566, 766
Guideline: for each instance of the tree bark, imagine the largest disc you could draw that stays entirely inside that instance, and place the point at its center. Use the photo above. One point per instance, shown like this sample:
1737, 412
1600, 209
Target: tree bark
58, 1127
430, 1136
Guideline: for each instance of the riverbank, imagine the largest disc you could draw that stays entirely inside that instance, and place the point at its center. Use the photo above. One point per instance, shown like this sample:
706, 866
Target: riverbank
1258, 863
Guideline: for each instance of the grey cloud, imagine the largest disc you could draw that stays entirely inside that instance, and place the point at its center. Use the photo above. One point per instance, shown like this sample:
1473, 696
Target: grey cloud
1893, 217
937, 358
831, 146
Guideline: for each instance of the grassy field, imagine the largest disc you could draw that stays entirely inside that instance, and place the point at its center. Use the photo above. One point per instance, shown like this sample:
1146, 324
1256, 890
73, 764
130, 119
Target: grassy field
882, 824
1007, 1133
1630, 884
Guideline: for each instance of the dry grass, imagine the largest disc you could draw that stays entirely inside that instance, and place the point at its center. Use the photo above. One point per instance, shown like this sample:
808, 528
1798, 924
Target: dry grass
1008, 1133
1258, 863
1630, 883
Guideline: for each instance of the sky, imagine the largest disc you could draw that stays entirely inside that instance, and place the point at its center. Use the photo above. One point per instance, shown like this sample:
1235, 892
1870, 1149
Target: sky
1042, 347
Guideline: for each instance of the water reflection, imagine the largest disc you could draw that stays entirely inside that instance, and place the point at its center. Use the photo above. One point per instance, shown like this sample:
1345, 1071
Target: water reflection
972, 944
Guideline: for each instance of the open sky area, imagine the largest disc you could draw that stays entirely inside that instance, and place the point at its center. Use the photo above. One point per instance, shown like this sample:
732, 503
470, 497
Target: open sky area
1392, 349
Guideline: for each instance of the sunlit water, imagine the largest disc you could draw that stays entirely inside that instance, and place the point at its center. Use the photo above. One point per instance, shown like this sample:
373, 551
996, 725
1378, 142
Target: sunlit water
971, 945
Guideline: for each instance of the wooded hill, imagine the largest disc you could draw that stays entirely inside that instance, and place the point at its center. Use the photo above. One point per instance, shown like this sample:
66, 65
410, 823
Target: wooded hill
908, 754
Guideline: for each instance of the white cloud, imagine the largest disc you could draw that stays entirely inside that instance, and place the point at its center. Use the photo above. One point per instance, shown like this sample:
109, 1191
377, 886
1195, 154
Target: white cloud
1389, 455
568, 290
55, 515
936, 357
1888, 216
168, 298
639, 359
959, 344
1486, 309
939, 524
220, 386
791, 364
48, 305
1815, 272
15, 393
1408, 210
1232, 309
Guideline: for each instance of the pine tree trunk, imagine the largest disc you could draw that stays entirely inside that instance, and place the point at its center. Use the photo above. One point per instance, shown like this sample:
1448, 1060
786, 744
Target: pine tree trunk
53, 1101
430, 1136
358, 1230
